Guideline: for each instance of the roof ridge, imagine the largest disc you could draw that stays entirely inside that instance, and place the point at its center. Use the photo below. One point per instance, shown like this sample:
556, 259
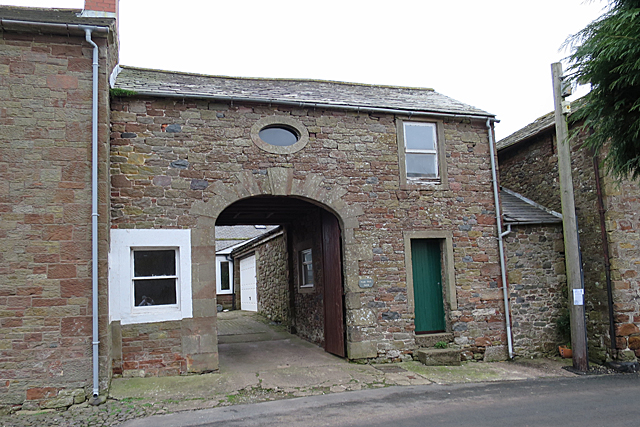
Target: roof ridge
287, 79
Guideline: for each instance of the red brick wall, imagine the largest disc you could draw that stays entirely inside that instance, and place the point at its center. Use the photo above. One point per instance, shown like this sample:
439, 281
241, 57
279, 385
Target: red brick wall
101, 5
151, 350
45, 212
226, 300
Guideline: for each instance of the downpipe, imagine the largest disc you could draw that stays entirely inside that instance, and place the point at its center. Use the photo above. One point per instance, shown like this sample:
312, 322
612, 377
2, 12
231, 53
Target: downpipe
501, 235
94, 214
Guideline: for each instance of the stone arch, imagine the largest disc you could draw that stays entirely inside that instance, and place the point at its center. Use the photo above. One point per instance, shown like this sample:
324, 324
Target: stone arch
278, 181
199, 333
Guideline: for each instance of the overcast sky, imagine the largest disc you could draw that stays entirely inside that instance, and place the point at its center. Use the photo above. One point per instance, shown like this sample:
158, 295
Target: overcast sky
492, 54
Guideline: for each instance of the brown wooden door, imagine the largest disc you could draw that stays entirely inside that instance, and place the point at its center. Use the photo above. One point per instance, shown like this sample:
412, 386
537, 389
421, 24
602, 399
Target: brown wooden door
332, 274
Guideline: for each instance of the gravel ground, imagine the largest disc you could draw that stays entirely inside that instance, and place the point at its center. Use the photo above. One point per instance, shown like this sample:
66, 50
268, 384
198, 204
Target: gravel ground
111, 413
116, 412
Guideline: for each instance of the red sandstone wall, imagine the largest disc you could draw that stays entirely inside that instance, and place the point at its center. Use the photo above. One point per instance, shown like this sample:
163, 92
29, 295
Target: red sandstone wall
45, 212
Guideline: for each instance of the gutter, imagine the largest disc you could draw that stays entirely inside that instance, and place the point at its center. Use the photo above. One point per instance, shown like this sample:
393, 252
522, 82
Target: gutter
246, 247
79, 28
501, 234
305, 104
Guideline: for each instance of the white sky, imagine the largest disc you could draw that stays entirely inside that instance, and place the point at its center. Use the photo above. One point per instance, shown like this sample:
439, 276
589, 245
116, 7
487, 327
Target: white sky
492, 54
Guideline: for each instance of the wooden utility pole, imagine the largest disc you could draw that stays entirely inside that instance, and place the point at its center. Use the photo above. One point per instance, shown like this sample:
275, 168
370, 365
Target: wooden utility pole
569, 223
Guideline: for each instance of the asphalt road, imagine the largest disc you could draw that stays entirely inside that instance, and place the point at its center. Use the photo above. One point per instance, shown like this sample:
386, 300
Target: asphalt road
576, 401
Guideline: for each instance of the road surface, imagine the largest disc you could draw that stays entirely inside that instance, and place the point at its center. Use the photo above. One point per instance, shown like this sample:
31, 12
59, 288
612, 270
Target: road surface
577, 401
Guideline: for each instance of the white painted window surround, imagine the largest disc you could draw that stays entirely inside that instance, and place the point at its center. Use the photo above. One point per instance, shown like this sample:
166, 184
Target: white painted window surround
219, 260
121, 303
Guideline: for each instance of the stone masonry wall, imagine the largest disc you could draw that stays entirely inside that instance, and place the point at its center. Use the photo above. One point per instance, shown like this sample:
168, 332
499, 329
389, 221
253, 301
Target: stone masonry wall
45, 217
273, 280
531, 169
537, 285
623, 230
309, 303
173, 160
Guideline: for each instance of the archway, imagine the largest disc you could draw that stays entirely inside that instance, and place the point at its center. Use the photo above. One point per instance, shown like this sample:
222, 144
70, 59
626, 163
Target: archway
277, 181
294, 271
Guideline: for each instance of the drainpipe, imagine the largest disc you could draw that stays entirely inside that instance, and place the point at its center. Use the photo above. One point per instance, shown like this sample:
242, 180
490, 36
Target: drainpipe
605, 249
94, 212
503, 267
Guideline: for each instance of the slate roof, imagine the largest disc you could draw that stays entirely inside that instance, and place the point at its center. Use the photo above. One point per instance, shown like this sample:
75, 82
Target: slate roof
231, 235
291, 91
54, 16
543, 123
517, 209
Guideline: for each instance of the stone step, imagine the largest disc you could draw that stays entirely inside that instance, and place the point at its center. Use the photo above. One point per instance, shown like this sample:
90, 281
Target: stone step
431, 339
439, 356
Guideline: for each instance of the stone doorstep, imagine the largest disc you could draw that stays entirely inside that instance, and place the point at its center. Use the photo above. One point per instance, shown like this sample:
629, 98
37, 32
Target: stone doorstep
439, 357
430, 340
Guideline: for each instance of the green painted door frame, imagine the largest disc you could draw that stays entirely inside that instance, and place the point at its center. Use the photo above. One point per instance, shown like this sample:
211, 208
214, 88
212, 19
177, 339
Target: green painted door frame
426, 259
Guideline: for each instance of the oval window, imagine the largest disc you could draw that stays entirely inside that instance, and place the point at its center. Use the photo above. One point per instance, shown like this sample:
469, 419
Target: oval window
280, 136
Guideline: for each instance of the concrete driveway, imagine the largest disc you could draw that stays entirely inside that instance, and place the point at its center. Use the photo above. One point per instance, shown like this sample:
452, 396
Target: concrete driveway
260, 360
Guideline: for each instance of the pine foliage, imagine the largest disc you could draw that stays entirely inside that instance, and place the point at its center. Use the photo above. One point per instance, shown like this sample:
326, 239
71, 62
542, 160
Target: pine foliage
606, 54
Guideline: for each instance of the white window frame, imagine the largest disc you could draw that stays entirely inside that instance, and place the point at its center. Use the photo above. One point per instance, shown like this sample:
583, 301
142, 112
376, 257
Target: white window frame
219, 290
433, 152
302, 269
176, 276
440, 182
121, 290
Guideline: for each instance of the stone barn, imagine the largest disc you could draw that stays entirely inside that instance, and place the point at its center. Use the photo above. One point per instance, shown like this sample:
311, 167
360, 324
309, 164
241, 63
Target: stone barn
385, 196
607, 213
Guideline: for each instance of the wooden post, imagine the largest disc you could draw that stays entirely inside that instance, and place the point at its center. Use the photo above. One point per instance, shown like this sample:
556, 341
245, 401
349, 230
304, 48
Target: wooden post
569, 223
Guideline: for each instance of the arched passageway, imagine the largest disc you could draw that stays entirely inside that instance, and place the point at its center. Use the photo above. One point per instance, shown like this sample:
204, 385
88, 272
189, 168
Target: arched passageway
293, 273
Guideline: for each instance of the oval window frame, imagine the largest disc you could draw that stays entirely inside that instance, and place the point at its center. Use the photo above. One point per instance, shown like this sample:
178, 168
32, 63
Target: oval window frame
286, 122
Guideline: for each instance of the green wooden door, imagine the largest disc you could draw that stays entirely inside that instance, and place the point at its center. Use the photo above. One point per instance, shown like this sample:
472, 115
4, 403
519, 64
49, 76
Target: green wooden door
427, 285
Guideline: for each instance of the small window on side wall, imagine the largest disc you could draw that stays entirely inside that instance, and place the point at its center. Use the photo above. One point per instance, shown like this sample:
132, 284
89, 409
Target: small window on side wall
306, 269
421, 148
154, 277
421, 153
149, 275
224, 276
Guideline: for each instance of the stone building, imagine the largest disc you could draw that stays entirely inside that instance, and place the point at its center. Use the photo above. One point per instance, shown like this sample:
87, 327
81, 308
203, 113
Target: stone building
384, 195
536, 274
263, 261
46, 201
607, 214
229, 238
189, 152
